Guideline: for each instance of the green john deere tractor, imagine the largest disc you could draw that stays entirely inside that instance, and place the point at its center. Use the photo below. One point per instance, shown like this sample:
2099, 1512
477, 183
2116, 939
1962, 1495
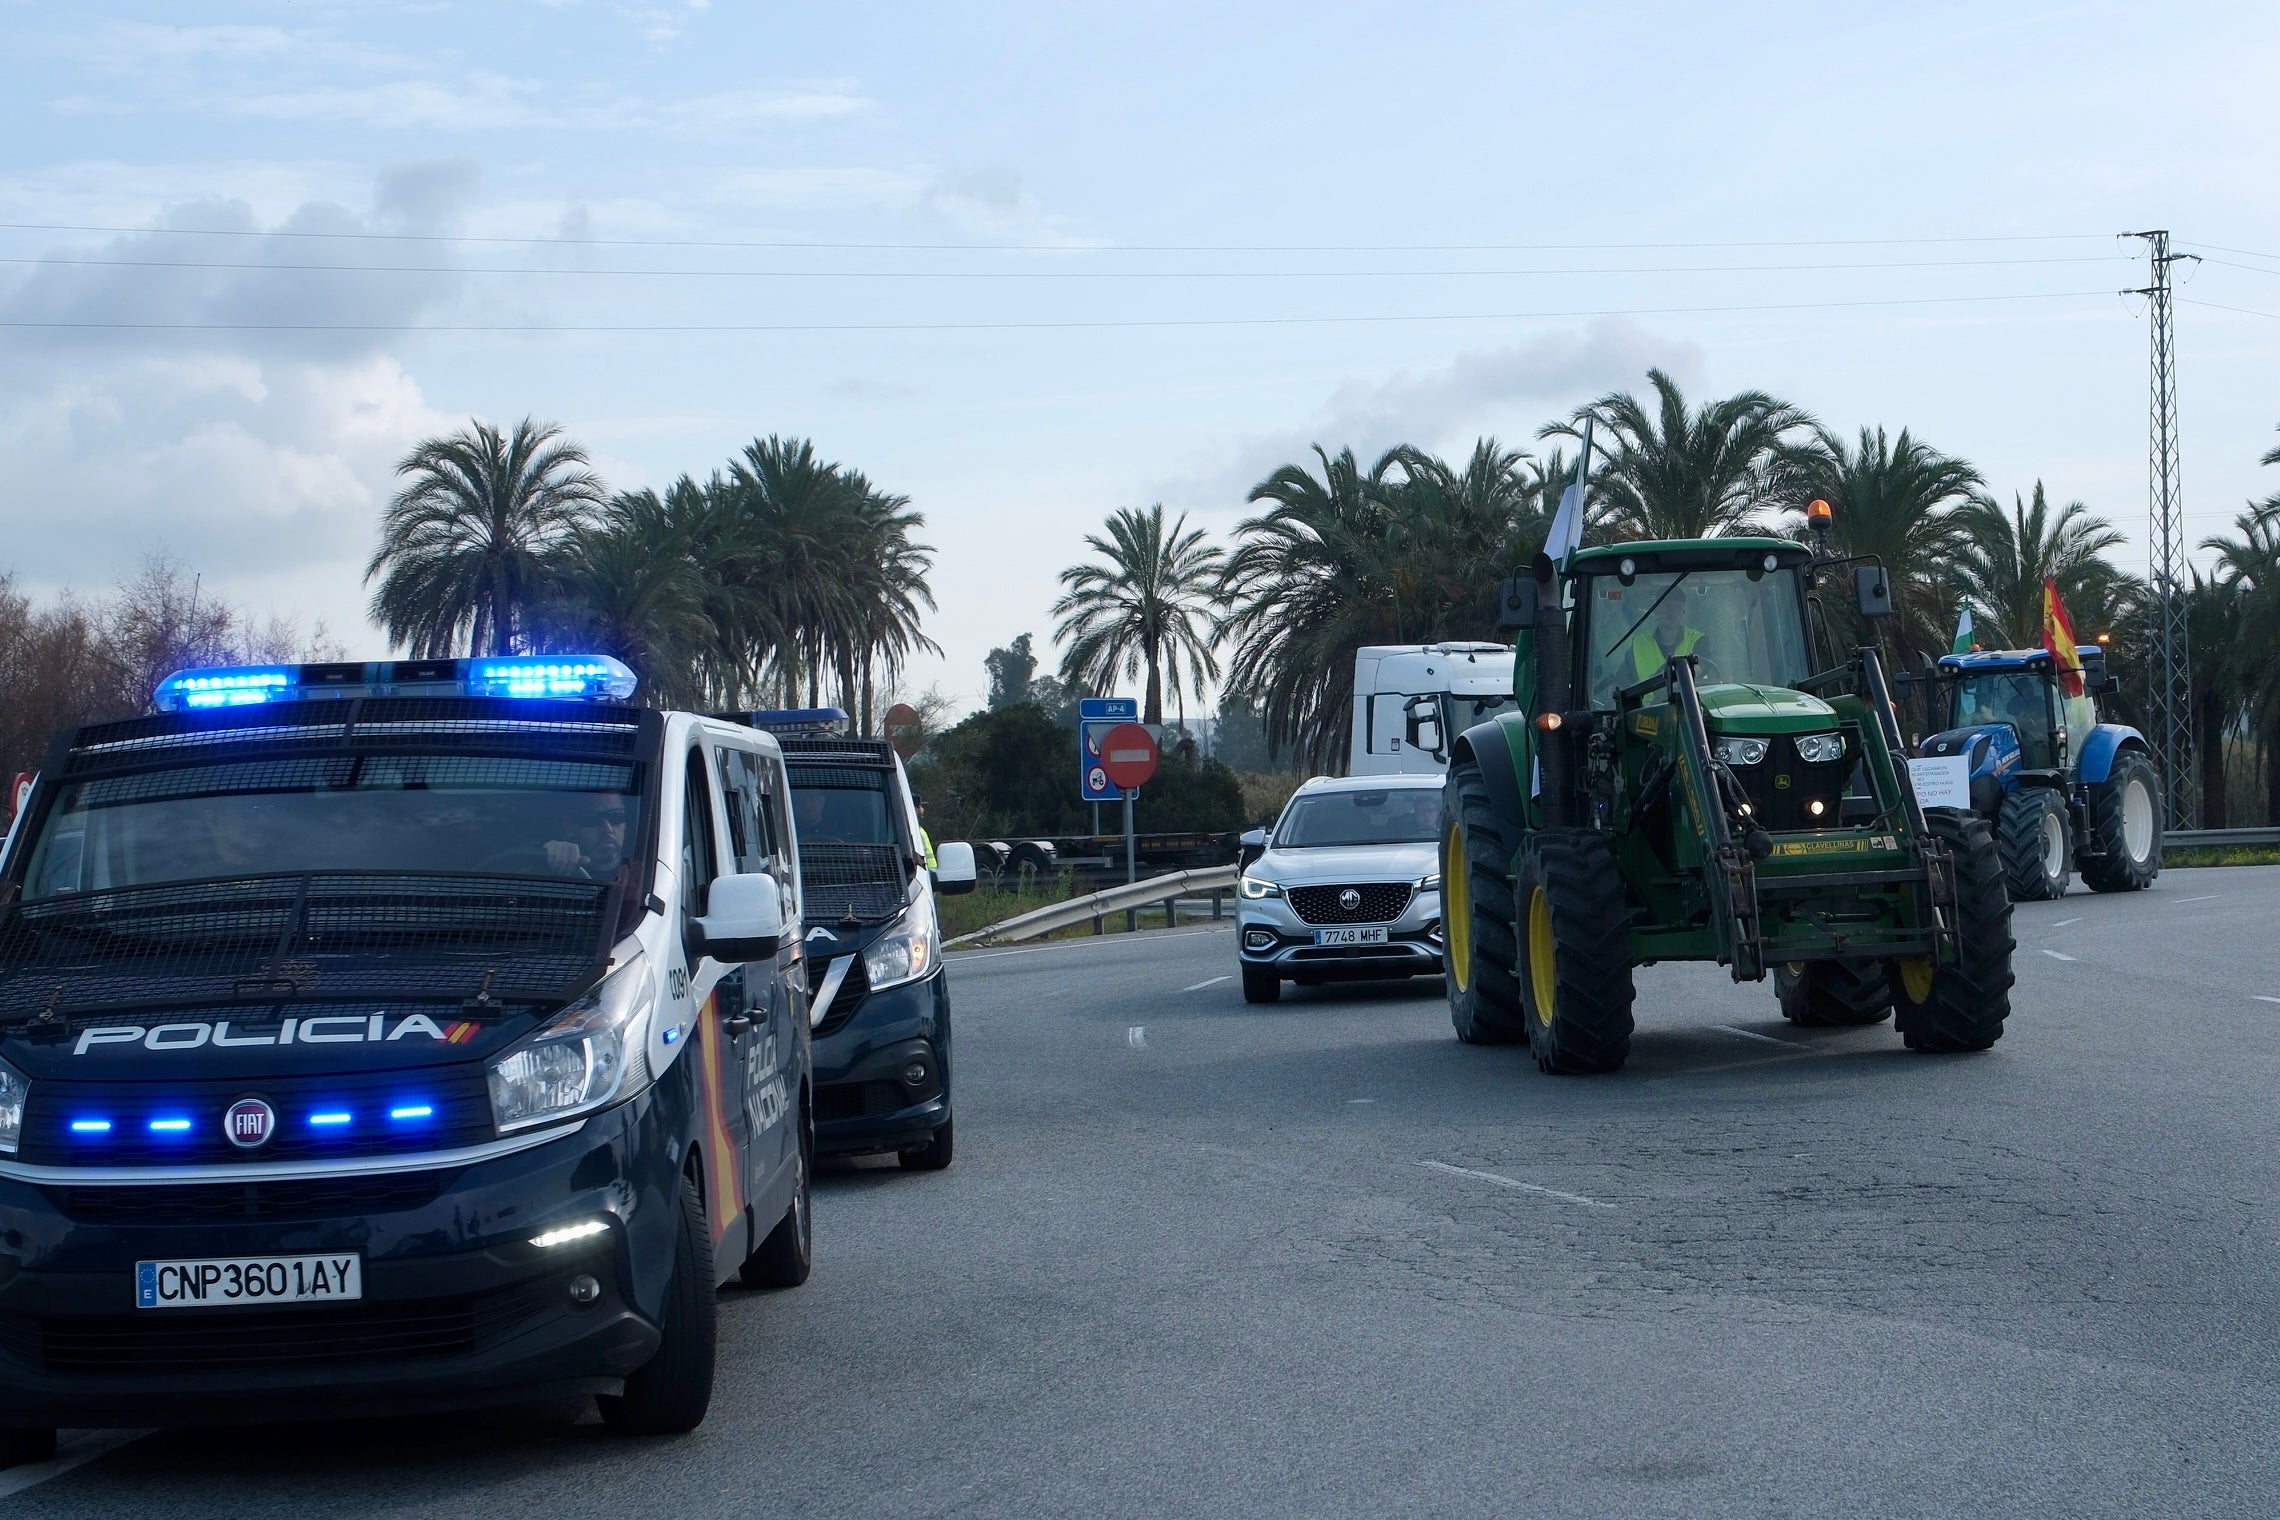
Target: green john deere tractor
1682, 777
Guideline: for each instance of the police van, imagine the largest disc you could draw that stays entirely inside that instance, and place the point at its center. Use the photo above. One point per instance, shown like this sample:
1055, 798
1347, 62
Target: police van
391, 1037
873, 941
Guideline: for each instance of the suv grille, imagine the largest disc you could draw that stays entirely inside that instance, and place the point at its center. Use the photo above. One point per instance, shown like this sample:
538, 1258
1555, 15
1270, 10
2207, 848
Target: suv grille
1380, 902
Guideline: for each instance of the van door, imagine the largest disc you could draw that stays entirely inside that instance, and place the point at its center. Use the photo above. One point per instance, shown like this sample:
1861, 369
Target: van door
731, 1035
773, 991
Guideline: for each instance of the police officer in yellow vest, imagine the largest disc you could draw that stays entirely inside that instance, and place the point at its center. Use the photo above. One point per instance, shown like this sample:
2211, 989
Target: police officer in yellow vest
1665, 638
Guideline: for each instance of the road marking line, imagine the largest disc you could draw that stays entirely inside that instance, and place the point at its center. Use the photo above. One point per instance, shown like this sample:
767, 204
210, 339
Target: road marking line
1515, 1183
2054, 955
2182, 901
1215, 981
1751, 1034
1137, 1037
1373, 1100
2261, 998
82, 1449
2066, 923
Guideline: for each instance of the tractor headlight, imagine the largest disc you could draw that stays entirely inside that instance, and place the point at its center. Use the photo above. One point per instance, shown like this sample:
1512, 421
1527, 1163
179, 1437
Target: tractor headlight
1739, 751
1820, 749
1256, 887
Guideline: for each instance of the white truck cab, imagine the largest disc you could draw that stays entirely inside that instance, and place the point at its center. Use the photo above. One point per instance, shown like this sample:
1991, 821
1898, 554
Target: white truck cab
1460, 684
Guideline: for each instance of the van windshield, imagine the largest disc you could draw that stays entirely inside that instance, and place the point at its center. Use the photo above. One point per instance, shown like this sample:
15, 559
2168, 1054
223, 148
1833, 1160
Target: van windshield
414, 814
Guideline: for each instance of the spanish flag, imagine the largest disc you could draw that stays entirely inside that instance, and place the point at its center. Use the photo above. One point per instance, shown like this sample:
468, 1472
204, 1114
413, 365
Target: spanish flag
2058, 638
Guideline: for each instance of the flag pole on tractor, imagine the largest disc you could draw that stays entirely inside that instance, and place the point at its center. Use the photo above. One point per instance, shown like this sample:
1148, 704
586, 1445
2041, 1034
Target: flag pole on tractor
1962, 632
2058, 638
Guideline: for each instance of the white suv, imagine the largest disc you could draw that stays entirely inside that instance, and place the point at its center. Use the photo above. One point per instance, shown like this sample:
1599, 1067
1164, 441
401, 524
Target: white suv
1345, 887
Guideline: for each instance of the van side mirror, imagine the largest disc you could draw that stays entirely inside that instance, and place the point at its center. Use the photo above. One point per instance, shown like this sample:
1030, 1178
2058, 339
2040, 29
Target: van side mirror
1516, 603
954, 870
1421, 720
1872, 591
744, 919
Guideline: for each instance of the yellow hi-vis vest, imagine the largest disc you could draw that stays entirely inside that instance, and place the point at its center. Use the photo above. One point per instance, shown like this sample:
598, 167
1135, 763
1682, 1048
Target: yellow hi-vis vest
926, 843
1648, 656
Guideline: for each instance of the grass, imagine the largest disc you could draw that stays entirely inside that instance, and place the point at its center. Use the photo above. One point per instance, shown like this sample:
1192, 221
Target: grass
2184, 857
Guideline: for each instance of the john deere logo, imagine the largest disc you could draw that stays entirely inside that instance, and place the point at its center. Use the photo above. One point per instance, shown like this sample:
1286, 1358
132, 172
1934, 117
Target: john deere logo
1349, 899
249, 1123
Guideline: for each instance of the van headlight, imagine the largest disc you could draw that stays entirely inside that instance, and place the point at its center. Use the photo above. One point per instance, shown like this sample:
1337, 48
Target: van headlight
14, 1089
590, 1054
906, 952
1255, 887
1820, 749
1739, 751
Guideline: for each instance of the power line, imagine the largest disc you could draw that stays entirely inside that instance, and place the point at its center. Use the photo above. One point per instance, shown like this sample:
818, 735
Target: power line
2246, 311
2221, 248
1054, 274
1058, 248
1110, 323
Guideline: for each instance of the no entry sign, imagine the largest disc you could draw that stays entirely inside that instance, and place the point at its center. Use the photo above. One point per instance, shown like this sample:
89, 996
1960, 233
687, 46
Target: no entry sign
1128, 755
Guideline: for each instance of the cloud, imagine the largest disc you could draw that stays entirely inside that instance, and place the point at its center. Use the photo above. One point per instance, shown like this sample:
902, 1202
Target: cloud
1508, 391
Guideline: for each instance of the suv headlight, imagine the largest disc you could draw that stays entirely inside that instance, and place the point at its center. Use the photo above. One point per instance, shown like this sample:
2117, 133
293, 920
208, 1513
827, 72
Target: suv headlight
1255, 887
589, 1054
14, 1089
1739, 751
1430, 883
1820, 749
906, 952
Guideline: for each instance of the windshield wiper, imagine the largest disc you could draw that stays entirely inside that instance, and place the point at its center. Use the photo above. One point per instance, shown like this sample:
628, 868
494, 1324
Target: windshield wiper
1650, 612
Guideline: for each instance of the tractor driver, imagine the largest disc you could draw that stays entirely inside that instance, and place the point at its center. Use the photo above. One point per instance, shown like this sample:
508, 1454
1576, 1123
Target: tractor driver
1667, 636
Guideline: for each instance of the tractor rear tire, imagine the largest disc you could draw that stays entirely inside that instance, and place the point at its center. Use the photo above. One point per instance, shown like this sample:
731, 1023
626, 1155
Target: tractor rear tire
1575, 933
1833, 994
1479, 957
2126, 803
2031, 834
1962, 1006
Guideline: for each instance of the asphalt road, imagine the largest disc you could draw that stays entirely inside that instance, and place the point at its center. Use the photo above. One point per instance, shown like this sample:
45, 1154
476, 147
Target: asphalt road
1317, 1258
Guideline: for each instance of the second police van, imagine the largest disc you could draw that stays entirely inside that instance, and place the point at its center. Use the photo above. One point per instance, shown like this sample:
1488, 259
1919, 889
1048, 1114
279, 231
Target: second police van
390, 1037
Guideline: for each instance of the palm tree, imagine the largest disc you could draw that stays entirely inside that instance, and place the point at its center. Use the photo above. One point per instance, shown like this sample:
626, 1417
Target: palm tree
466, 548
2248, 566
1148, 609
2002, 560
1680, 475
629, 585
1894, 499
1411, 551
886, 591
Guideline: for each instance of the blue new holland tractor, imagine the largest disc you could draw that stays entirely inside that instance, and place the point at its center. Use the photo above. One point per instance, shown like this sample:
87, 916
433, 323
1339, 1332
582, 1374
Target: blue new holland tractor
2062, 790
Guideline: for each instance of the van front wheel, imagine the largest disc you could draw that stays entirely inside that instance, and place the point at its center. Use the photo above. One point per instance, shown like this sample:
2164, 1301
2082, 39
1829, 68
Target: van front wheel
670, 1392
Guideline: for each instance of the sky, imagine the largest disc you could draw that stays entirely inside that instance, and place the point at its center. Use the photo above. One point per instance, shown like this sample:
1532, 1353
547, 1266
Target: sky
1027, 263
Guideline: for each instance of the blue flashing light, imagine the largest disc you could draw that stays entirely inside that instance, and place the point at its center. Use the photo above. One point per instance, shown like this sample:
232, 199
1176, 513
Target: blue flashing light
90, 1126
234, 686
412, 1111
170, 1126
571, 676
331, 1117
800, 720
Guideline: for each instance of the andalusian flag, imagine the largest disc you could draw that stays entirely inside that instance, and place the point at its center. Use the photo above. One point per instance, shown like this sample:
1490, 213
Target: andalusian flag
2058, 638
1963, 632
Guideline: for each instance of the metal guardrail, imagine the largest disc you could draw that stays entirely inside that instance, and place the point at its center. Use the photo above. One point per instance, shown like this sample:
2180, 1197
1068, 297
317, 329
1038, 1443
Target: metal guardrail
2218, 838
1126, 897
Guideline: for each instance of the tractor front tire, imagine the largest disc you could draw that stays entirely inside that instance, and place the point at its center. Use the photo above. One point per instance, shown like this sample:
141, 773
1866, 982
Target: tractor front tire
1479, 957
2031, 834
2125, 820
1575, 961
1962, 1006
1832, 994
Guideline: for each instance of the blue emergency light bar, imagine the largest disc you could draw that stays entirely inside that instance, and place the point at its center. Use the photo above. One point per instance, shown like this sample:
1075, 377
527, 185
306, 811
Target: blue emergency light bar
563, 677
799, 720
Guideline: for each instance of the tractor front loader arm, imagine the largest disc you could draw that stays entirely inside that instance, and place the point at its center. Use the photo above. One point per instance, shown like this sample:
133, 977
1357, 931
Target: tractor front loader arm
1729, 870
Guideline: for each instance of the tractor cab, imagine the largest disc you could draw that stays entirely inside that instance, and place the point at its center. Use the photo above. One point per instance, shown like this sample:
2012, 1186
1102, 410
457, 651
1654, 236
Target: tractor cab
1738, 608
2014, 689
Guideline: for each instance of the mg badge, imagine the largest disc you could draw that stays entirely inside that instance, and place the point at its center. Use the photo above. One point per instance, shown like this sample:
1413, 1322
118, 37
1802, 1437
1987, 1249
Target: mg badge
249, 1123
1349, 899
